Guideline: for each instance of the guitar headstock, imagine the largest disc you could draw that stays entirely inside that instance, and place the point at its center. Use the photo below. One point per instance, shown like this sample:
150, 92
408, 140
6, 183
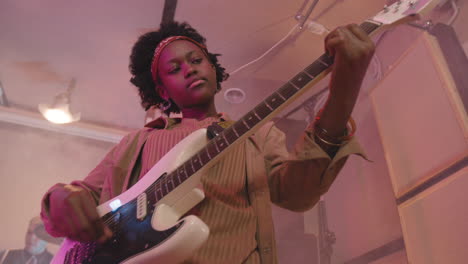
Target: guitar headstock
404, 11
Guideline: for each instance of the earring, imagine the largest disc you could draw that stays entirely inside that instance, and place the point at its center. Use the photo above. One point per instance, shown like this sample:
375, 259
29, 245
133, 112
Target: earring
165, 105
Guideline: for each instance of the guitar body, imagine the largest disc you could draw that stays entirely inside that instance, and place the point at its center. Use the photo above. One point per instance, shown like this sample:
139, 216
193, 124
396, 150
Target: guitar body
157, 235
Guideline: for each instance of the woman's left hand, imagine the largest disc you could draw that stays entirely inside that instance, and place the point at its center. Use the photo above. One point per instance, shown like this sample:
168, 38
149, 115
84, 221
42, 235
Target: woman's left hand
352, 48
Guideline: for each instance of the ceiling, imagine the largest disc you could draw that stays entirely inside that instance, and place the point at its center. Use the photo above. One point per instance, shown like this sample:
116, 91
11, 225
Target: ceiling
44, 44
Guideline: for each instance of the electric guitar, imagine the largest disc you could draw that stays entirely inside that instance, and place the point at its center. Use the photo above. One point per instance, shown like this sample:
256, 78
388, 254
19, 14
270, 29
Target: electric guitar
146, 219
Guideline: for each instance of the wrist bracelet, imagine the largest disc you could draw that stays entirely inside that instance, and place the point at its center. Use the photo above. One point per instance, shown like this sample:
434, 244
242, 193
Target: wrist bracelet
324, 136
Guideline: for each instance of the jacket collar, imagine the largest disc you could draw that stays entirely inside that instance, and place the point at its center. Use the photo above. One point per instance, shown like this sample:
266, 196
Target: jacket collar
163, 122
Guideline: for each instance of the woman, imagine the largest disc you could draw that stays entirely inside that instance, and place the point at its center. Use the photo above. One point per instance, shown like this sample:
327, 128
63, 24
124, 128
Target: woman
173, 69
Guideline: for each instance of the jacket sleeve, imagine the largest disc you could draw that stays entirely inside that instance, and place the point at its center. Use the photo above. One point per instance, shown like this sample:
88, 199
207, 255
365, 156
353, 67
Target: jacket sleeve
298, 179
93, 183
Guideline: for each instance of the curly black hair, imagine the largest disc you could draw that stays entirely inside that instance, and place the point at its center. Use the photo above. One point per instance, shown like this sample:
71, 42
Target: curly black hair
142, 56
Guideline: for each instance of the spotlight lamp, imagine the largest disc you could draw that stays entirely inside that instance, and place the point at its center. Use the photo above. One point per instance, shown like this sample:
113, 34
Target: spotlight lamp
59, 111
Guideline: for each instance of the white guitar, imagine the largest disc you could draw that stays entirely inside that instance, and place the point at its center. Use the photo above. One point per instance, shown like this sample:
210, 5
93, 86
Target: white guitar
146, 219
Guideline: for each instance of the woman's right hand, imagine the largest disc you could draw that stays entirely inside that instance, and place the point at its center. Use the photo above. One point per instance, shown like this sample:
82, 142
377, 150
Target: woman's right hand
73, 213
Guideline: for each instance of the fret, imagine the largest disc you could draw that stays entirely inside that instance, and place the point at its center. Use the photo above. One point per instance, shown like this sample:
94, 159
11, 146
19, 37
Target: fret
229, 136
208, 153
191, 164
280, 95
187, 168
287, 90
224, 137
262, 110
274, 101
203, 157
160, 191
255, 112
240, 127
235, 131
216, 146
177, 178
315, 68
196, 163
308, 74
301, 80
245, 123
328, 60
200, 160
179, 173
297, 88
181, 170
222, 145
269, 107
369, 27
212, 149
174, 180
171, 182
250, 119
325, 64
167, 188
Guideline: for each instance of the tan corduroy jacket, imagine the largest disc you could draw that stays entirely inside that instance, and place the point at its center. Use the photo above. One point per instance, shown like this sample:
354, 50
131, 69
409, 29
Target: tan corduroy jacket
294, 181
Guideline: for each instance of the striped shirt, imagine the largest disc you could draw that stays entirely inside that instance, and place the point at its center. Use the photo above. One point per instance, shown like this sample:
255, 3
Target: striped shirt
226, 209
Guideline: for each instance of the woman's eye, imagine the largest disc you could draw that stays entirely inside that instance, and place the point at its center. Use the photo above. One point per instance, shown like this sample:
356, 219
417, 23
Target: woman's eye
174, 70
197, 61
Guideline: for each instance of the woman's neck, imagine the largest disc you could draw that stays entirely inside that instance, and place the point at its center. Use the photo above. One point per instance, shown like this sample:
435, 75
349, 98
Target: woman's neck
199, 113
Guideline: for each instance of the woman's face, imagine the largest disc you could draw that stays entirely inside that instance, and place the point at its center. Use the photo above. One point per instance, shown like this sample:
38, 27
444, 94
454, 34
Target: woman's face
187, 76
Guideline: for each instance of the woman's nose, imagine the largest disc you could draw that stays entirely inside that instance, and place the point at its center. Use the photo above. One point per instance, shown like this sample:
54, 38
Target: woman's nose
189, 71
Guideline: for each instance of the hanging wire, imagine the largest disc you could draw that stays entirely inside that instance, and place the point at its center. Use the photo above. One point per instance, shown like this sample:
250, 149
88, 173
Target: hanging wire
266, 52
307, 15
300, 17
3, 98
456, 10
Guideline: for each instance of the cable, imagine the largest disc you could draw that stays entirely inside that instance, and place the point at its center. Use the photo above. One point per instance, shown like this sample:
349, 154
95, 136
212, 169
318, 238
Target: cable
456, 9
302, 20
307, 15
266, 52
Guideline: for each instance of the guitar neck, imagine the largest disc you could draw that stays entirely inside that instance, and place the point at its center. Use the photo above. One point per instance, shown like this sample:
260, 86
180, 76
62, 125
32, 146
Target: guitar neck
254, 119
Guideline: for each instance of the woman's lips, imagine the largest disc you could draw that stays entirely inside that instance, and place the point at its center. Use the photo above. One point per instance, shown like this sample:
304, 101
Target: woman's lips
196, 83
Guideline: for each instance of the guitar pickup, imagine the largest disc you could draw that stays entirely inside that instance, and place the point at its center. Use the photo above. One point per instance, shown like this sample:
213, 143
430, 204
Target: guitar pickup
141, 210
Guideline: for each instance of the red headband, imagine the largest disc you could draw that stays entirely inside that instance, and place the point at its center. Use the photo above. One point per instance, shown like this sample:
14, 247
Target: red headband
162, 45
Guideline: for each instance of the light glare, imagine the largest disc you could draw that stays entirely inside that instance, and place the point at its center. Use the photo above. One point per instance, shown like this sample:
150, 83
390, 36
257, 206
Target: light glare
57, 116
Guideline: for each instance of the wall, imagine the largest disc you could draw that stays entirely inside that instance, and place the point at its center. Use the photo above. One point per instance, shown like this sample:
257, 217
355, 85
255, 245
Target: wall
31, 161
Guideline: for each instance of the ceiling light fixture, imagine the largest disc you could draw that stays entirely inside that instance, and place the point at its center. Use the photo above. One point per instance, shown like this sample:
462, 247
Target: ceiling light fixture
234, 95
59, 111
